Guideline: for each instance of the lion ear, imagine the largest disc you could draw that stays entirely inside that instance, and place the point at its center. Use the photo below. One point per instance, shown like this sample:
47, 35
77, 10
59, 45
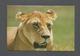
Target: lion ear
51, 14
19, 15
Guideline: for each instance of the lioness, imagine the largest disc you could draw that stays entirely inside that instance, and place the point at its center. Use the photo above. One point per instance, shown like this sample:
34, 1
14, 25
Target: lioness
35, 31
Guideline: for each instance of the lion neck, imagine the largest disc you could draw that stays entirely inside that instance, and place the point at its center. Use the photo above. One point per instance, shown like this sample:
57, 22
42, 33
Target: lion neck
22, 40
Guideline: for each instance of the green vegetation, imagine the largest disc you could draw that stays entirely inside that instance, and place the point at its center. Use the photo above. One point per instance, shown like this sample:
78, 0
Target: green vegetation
63, 28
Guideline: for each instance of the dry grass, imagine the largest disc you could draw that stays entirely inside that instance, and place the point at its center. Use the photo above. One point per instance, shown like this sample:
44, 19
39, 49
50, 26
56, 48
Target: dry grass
11, 31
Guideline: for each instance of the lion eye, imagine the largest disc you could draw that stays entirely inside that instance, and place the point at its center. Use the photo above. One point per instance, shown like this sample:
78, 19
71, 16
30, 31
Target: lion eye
35, 25
49, 26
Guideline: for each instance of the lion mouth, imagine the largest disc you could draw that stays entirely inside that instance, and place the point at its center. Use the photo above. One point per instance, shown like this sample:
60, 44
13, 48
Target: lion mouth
40, 45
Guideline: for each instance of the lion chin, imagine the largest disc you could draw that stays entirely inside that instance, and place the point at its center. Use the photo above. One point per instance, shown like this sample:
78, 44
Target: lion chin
42, 44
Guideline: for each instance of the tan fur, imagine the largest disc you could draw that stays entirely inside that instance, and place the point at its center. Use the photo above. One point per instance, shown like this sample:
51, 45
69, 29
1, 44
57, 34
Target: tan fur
26, 35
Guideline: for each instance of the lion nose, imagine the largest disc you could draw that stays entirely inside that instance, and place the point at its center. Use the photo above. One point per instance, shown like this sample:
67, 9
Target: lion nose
45, 37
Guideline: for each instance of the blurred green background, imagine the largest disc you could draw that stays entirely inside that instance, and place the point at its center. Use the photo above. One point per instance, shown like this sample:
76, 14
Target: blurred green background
63, 29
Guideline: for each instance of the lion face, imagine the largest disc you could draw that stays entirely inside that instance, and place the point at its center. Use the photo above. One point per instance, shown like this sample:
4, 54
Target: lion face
37, 25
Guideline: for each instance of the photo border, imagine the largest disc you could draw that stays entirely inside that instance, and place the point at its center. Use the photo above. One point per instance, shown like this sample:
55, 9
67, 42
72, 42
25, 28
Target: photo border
3, 23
